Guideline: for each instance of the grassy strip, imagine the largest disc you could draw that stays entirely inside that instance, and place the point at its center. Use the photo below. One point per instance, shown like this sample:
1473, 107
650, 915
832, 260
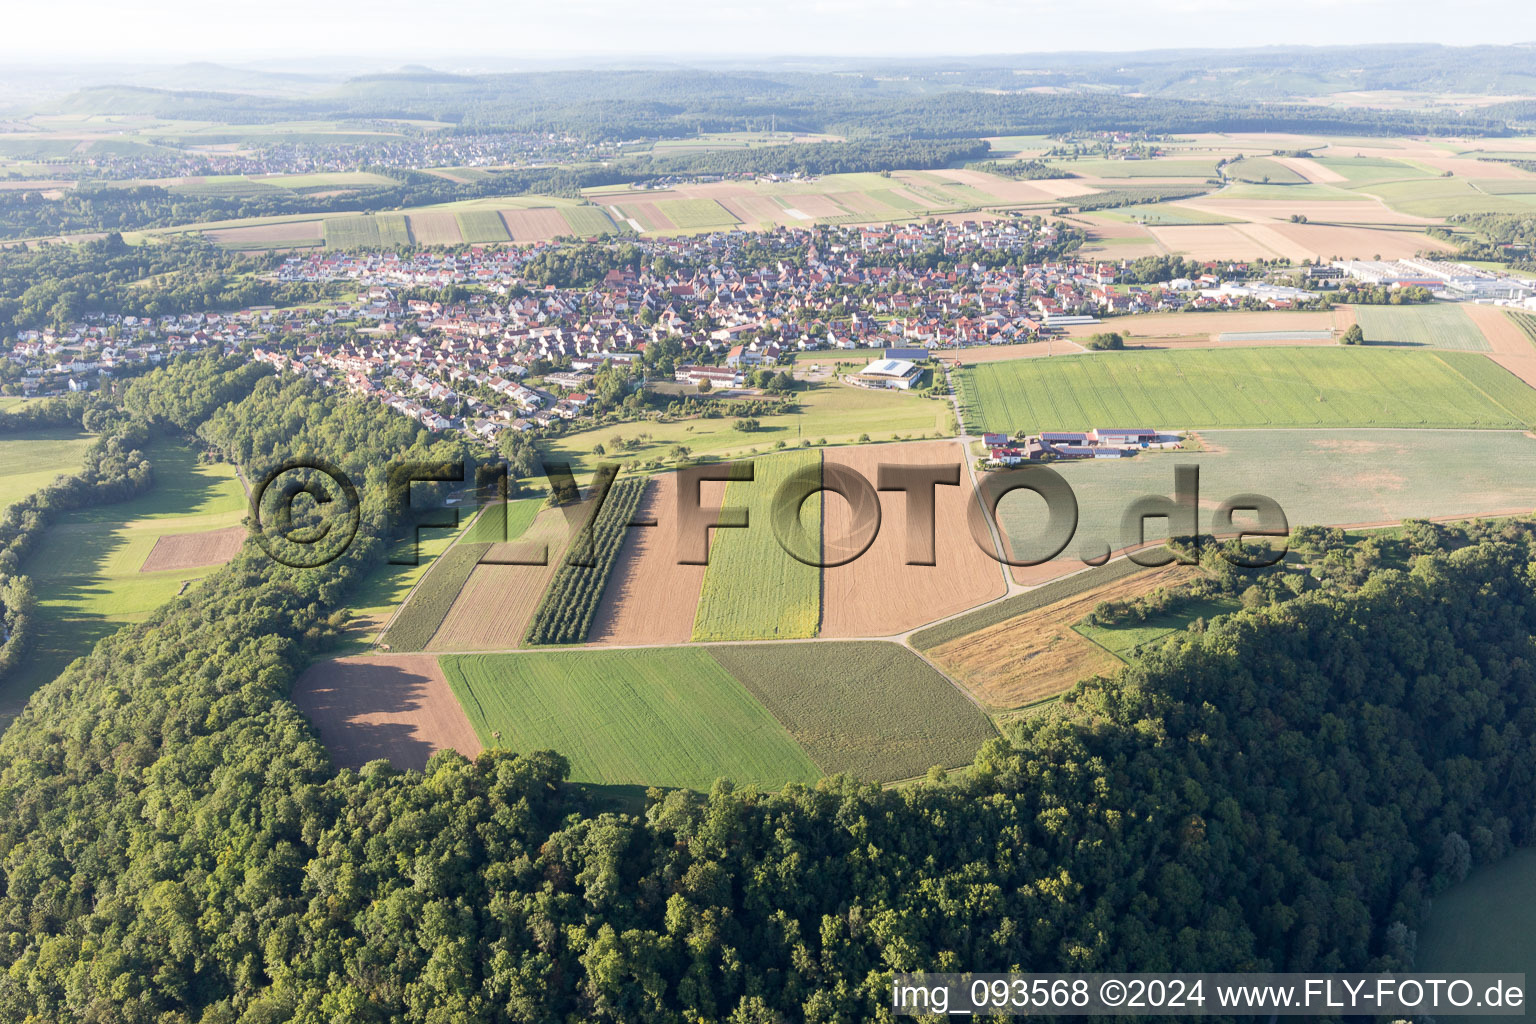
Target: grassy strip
992, 614
419, 620
565, 612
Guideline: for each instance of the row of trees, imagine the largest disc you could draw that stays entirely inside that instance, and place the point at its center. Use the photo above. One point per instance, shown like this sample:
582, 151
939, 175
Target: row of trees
566, 611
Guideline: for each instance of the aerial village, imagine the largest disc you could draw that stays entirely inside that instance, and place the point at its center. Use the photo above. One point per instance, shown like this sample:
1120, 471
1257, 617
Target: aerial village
734, 302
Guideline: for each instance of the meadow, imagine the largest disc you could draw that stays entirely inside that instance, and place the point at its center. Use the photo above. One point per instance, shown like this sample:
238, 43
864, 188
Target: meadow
1437, 325
753, 589
871, 709
86, 570
1483, 924
31, 460
659, 717
1321, 477
827, 411
1124, 640
1269, 387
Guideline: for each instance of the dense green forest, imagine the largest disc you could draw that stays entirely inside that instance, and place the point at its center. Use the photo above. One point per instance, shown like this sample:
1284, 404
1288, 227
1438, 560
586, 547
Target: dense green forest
1284, 789
55, 285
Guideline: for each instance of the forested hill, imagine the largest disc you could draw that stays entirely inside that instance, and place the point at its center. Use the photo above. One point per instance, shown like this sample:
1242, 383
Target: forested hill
1283, 790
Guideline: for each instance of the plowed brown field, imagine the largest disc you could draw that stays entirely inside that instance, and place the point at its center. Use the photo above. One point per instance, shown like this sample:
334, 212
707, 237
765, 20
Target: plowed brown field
398, 707
194, 550
651, 599
493, 610
535, 225
878, 594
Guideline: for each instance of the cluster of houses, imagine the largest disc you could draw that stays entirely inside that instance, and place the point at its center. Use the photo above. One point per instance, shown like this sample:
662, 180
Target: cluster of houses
1095, 443
728, 302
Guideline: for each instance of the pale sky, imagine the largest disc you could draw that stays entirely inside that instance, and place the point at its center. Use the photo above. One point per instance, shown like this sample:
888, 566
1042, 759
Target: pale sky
421, 31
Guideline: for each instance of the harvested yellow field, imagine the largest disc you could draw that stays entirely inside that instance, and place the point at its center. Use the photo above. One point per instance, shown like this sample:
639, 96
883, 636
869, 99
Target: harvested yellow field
1038, 655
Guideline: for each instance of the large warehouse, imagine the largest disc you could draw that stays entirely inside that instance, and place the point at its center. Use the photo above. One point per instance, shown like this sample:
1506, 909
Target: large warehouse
887, 373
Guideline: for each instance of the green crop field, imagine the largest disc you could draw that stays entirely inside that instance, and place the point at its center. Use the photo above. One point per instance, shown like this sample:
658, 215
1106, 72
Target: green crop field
587, 220
483, 226
227, 188
1433, 326
868, 708
1292, 387
690, 214
1322, 477
660, 717
1483, 924
393, 229
894, 200
753, 589
1264, 172
86, 568
351, 232
1365, 170
31, 460
1445, 197
387, 230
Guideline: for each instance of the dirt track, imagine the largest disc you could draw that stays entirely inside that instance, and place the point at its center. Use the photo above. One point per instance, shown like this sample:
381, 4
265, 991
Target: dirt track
398, 707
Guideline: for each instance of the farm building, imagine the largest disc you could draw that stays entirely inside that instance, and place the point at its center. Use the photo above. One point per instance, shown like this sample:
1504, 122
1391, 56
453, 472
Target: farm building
887, 373
996, 440
1122, 437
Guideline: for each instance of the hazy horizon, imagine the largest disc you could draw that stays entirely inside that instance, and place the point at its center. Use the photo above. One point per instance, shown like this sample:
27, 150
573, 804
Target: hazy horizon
93, 31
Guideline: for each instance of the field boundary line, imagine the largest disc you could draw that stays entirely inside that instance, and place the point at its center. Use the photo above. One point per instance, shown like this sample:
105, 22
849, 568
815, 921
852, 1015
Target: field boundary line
464, 531
1474, 386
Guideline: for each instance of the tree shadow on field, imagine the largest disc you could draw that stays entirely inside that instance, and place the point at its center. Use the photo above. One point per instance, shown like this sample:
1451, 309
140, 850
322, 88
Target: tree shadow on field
365, 712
